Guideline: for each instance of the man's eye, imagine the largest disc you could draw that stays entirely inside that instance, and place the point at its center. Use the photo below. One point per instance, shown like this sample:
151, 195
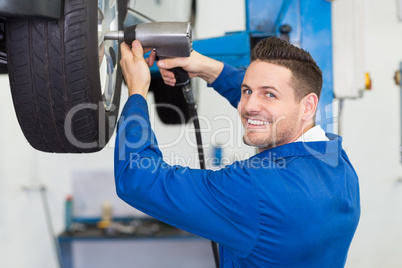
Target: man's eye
247, 91
270, 95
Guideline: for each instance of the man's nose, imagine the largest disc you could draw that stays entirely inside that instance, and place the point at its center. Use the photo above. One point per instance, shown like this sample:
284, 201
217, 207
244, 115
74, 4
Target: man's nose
253, 104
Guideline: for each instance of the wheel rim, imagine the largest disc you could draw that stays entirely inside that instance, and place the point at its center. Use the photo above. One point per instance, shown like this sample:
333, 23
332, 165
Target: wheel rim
108, 49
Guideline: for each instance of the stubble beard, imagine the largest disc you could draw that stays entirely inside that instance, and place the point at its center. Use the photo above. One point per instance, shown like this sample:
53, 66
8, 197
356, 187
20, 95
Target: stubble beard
264, 140
274, 135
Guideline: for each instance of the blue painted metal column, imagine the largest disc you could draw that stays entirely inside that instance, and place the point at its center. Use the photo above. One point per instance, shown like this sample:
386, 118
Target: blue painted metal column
316, 38
311, 30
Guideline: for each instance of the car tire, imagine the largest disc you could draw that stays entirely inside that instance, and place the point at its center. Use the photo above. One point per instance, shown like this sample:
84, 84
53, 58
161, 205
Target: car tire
55, 79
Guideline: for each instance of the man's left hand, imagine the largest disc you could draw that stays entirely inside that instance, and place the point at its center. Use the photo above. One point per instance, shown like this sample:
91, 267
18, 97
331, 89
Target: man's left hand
135, 68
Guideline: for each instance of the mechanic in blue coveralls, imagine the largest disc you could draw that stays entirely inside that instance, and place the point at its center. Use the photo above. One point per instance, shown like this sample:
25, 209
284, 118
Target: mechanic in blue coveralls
299, 209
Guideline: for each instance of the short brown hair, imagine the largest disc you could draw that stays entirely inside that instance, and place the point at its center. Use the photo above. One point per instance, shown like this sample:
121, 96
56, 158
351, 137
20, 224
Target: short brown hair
306, 75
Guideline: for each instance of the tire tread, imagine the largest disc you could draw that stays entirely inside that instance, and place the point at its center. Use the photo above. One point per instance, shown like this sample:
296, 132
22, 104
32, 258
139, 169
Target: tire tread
49, 71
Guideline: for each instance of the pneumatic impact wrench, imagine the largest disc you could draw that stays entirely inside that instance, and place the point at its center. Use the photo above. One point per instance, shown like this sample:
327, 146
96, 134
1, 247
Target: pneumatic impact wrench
169, 39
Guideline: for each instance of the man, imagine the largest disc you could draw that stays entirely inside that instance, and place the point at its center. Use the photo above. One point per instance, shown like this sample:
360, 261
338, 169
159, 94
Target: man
294, 204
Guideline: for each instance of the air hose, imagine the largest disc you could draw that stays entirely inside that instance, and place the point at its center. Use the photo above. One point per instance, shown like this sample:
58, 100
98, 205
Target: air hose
183, 80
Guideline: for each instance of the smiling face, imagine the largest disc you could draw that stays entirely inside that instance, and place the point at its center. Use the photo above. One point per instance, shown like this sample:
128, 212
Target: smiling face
268, 108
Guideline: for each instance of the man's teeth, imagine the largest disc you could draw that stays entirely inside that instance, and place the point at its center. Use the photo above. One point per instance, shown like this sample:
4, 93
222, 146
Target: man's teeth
257, 122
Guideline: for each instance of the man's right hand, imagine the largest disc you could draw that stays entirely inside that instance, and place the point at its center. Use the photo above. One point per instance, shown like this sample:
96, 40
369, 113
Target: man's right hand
196, 65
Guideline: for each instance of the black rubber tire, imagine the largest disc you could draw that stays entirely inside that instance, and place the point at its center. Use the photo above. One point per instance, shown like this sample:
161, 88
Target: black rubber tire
55, 80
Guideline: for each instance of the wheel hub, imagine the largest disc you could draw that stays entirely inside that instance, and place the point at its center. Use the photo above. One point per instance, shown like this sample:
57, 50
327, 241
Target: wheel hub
108, 49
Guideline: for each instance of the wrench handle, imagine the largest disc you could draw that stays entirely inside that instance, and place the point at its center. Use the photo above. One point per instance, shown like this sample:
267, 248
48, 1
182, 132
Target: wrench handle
182, 77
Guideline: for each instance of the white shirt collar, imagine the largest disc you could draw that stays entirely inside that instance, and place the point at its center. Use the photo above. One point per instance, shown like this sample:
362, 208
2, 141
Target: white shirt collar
315, 133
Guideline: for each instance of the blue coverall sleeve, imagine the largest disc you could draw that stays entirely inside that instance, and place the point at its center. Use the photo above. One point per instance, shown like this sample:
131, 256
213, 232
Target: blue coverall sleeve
219, 205
228, 84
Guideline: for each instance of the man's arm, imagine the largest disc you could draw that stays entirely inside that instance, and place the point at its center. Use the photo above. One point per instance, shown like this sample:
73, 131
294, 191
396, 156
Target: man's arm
197, 65
221, 206
225, 79
228, 84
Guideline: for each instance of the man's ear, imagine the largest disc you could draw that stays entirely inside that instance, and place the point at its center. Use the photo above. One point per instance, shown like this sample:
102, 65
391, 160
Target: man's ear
309, 106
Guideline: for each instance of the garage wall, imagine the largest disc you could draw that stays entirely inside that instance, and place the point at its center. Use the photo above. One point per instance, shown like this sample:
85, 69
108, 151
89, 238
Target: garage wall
370, 127
371, 131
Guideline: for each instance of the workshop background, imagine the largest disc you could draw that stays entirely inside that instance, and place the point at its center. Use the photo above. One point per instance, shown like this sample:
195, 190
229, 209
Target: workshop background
370, 126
